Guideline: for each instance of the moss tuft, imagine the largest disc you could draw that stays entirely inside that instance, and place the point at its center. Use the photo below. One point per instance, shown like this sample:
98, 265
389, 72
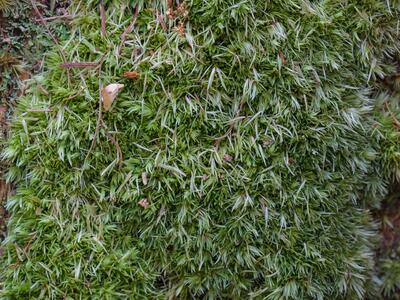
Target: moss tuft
245, 141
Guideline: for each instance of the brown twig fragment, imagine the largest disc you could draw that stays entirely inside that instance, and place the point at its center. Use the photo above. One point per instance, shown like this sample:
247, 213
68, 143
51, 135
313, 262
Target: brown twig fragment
103, 19
129, 29
43, 21
98, 125
116, 144
99, 119
79, 65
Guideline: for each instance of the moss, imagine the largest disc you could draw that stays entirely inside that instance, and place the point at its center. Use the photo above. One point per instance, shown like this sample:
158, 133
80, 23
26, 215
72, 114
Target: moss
5, 5
248, 133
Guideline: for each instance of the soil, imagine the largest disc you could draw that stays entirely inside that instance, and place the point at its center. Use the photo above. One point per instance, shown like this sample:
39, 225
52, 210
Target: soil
4, 187
390, 225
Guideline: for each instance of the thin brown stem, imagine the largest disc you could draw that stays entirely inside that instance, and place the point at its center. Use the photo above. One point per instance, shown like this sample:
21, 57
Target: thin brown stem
98, 125
43, 21
80, 65
103, 19
113, 140
129, 29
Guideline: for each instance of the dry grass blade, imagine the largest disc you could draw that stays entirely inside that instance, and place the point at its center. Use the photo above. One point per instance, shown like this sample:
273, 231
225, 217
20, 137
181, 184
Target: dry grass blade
40, 110
47, 19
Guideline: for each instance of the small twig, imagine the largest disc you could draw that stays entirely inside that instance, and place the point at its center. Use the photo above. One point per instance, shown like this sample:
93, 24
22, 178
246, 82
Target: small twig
129, 29
43, 21
99, 121
98, 125
103, 19
116, 144
80, 65
113, 140
55, 18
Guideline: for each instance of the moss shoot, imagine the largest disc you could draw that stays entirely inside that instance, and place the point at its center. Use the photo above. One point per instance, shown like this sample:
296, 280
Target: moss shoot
231, 166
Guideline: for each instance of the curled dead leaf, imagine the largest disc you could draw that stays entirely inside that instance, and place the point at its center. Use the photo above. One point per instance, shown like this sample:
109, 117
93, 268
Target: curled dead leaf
131, 74
109, 93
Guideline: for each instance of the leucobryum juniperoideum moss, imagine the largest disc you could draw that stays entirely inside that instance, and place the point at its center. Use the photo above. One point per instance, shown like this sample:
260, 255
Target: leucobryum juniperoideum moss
5, 5
246, 141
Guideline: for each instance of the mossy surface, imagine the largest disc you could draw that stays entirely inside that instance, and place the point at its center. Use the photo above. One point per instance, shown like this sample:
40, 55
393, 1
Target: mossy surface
249, 133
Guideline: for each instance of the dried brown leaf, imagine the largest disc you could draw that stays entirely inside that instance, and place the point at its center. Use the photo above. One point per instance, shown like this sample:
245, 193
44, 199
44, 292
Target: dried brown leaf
131, 74
109, 93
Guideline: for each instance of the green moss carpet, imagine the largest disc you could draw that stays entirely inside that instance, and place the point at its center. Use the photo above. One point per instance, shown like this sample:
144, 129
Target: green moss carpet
236, 162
